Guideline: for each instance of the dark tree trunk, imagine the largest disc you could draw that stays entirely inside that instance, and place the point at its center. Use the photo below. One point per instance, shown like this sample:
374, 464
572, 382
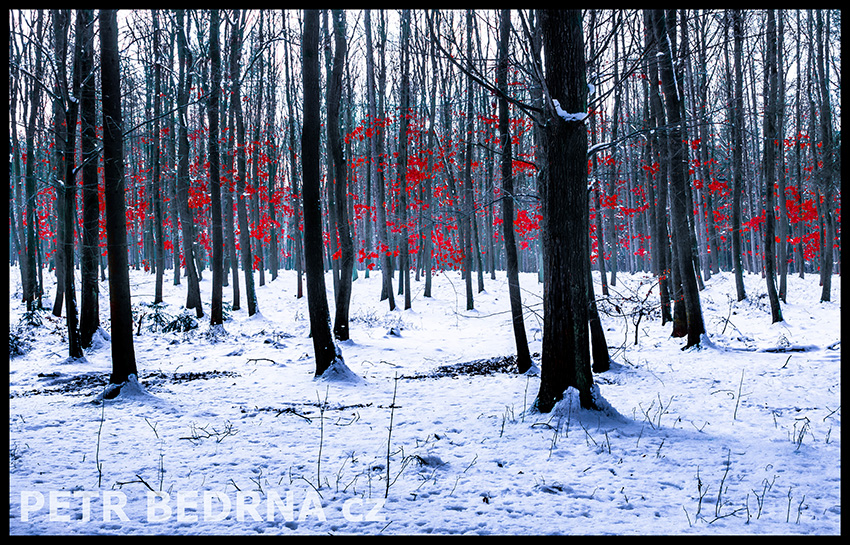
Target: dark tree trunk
295, 225
659, 152
241, 168
825, 174
523, 359
565, 359
193, 297
216, 311
468, 212
67, 107
737, 112
346, 264
121, 317
320, 323
89, 252
376, 150
678, 182
159, 231
769, 166
229, 232
401, 170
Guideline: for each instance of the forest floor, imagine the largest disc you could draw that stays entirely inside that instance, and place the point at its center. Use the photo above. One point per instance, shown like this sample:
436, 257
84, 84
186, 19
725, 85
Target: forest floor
232, 434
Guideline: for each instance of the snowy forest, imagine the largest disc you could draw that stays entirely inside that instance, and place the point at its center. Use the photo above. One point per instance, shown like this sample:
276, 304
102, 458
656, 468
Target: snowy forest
402, 271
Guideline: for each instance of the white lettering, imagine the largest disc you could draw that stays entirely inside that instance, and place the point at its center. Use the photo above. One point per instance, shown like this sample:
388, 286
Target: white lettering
225, 510
373, 515
274, 501
315, 509
158, 508
251, 508
59, 500
109, 506
27, 507
86, 496
183, 502
346, 510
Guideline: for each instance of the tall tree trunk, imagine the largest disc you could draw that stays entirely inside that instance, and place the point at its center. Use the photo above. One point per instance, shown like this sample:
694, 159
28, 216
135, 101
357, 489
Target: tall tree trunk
825, 174
159, 247
346, 262
295, 224
783, 178
737, 111
89, 251
121, 317
467, 210
193, 296
241, 166
272, 154
565, 358
255, 177
659, 151
376, 151
769, 166
229, 226
429, 200
216, 308
66, 108
323, 343
61, 24
678, 182
799, 255
404, 250
613, 175
523, 357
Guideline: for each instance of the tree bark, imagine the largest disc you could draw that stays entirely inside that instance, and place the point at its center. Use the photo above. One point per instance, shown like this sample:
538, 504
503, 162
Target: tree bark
678, 182
523, 357
401, 171
825, 174
659, 139
323, 343
89, 252
241, 167
565, 358
376, 151
193, 296
159, 247
121, 317
769, 166
346, 262
737, 111
216, 308
67, 107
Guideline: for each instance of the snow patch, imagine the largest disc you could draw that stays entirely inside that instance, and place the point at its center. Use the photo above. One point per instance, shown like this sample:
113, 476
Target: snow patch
566, 116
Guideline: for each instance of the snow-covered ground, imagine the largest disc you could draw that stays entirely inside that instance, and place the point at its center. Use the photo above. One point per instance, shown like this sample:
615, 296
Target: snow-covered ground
236, 436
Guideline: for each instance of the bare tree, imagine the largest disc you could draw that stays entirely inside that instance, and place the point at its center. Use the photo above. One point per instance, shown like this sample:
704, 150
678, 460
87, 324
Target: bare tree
343, 292
565, 356
769, 136
89, 252
121, 317
216, 309
320, 327
663, 30
737, 111
193, 296
376, 150
523, 359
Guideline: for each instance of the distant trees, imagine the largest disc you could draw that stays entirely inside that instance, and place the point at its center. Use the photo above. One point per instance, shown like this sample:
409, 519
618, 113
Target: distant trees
436, 154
